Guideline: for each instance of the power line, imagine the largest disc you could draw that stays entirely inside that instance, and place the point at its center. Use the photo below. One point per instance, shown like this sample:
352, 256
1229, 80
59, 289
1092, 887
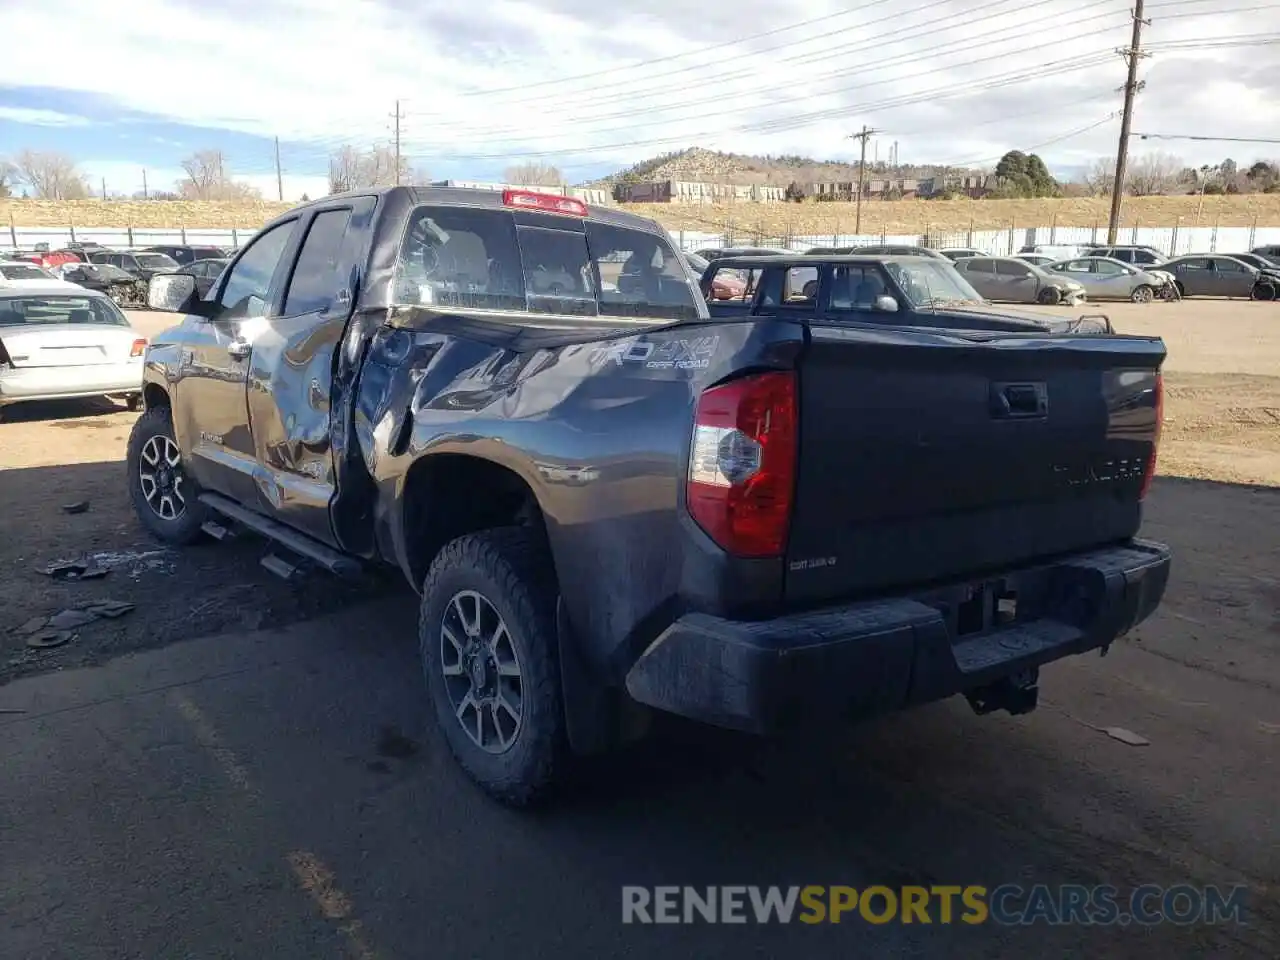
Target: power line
1190, 136
799, 121
699, 51
604, 93
931, 58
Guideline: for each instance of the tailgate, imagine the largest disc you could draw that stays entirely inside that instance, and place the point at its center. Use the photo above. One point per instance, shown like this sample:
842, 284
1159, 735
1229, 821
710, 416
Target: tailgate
930, 456
69, 345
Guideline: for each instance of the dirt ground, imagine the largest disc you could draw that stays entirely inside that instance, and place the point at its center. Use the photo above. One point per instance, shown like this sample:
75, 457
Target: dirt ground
770, 220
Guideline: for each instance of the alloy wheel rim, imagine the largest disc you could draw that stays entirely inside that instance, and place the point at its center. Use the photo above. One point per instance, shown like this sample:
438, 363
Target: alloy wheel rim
482, 674
161, 476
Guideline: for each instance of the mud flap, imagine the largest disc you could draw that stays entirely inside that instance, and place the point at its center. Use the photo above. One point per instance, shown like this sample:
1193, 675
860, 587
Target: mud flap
592, 709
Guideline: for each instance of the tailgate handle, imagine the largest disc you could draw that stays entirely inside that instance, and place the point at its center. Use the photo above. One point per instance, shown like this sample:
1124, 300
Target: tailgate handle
1019, 400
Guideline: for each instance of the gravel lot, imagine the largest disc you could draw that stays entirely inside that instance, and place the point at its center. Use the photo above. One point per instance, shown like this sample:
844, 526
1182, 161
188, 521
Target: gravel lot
1201, 681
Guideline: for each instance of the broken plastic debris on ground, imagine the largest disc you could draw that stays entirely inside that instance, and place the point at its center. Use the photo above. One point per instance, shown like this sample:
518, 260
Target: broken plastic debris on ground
43, 632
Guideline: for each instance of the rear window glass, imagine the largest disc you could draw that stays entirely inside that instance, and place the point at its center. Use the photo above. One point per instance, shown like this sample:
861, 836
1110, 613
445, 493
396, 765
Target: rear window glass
20, 271
156, 261
31, 311
479, 259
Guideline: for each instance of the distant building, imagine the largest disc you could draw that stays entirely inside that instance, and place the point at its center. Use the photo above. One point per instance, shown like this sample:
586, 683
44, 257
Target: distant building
973, 185
694, 191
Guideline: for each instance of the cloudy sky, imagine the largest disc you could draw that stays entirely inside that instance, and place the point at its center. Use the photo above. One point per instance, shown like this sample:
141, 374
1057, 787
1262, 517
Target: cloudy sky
591, 87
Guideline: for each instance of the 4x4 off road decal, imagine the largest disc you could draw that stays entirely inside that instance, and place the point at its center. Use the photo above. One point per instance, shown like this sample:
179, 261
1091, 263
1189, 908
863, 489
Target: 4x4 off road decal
694, 353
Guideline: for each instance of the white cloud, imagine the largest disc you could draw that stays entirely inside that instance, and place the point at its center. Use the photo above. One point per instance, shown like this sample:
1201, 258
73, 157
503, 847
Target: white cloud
949, 81
40, 118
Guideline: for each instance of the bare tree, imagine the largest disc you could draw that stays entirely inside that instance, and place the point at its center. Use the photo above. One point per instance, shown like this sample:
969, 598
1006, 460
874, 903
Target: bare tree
1100, 178
8, 178
1153, 173
353, 169
533, 174
51, 176
209, 179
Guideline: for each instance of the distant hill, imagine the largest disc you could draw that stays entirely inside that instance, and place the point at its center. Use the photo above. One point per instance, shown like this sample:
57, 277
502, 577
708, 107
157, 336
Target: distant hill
713, 166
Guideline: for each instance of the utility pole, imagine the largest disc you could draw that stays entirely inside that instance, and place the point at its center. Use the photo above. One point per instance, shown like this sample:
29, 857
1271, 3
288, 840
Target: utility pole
1132, 54
279, 174
145, 195
863, 135
397, 116
104, 188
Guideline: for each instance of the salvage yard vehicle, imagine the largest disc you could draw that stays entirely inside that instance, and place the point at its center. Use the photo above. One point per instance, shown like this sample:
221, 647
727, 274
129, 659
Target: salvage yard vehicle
612, 503
141, 265
17, 274
59, 343
124, 289
1216, 275
1107, 279
1017, 281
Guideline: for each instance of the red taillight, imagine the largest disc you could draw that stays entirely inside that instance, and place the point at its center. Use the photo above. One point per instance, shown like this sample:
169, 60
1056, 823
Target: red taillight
1150, 473
139, 348
548, 202
742, 463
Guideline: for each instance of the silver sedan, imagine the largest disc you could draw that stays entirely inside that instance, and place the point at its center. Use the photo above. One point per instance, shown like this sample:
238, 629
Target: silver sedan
58, 343
1106, 279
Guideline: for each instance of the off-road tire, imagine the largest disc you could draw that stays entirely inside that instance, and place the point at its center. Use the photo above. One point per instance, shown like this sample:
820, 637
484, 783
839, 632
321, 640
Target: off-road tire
1049, 296
185, 529
509, 567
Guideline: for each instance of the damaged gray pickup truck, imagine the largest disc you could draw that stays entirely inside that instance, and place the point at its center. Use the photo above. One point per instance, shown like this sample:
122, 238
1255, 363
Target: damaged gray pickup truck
612, 503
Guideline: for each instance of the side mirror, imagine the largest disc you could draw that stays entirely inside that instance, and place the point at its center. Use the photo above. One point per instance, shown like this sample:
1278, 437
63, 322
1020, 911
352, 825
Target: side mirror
885, 304
172, 293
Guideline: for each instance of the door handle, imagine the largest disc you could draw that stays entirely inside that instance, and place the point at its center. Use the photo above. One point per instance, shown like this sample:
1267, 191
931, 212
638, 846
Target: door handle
239, 348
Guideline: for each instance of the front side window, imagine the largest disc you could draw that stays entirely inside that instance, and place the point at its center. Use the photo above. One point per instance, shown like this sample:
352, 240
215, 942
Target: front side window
46, 311
249, 283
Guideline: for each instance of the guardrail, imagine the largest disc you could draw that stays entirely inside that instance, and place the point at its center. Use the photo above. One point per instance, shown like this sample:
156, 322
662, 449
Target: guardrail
1172, 240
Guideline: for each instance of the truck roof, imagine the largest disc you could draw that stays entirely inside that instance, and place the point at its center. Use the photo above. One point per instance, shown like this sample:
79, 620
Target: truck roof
466, 197
810, 260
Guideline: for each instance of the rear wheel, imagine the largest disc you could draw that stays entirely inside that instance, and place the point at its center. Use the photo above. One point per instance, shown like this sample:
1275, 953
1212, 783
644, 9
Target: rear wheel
488, 642
1181, 290
1049, 296
164, 497
1142, 294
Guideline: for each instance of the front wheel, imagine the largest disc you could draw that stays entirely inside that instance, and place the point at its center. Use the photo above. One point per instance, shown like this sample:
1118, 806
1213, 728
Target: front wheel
1142, 294
1049, 296
164, 497
488, 642
1263, 291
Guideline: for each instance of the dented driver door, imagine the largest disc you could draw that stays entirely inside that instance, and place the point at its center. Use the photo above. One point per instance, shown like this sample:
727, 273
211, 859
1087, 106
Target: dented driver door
290, 378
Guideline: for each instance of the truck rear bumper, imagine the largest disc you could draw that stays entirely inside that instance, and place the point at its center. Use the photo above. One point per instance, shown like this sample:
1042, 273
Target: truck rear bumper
876, 656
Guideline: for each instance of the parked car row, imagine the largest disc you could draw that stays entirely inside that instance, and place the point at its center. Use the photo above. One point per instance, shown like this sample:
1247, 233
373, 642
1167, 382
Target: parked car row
122, 275
1065, 273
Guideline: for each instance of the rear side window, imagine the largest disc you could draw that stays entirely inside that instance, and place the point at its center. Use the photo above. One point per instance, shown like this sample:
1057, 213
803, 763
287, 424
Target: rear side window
799, 288
857, 287
980, 265
316, 278
640, 274
463, 257
1013, 268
